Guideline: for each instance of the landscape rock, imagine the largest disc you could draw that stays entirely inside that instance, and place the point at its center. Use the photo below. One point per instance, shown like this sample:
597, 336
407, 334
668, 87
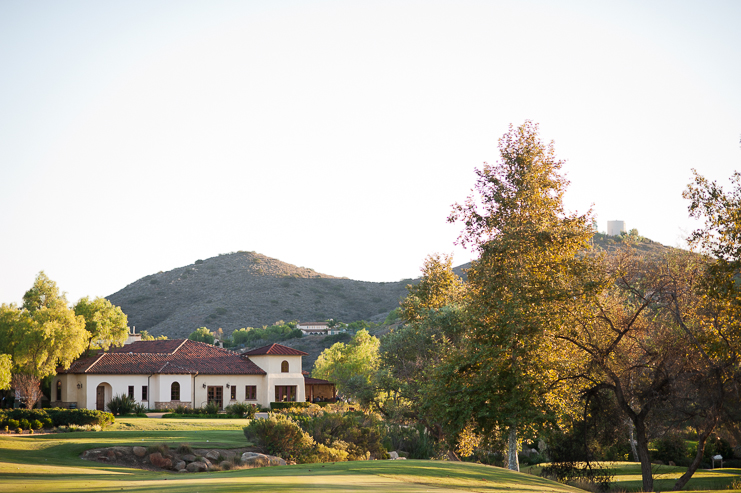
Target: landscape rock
197, 467
253, 459
225, 465
189, 458
158, 460
180, 465
212, 455
140, 451
393, 455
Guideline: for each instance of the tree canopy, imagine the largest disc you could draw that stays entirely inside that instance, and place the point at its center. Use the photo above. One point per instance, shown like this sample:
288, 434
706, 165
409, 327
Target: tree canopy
106, 323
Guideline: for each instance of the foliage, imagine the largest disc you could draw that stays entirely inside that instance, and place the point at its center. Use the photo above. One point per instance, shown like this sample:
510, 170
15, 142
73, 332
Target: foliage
106, 323
211, 408
59, 416
439, 287
43, 333
528, 247
6, 363
351, 366
280, 331
671, 447
121, 404
415, 440
242, 410
202, 334
147, 337
280, 435
359, 325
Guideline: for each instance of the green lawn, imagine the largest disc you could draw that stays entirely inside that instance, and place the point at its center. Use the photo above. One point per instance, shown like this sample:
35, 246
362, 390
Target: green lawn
50, 463
628, 477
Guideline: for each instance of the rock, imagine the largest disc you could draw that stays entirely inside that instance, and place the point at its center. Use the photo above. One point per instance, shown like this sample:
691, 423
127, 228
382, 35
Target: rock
140, 451
212, 455
157, 460
197, 467
252, 459
189, 458
393, 455
671, 463
225, 465
111, 454
180, 465
183, 470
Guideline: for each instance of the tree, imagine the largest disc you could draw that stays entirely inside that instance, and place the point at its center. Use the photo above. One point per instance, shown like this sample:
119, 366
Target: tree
27, 389
351, 366
106, 323
147, 337
439, 286
6, 363
43, 333
527, 246
202, 334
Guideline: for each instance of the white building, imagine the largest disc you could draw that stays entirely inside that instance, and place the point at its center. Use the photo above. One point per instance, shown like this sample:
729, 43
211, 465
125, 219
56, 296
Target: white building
614, 228
167, 373
312, 328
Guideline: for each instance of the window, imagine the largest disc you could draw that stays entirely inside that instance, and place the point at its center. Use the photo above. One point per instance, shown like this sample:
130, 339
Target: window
234, 392
215, 394
250, 393
59, 390
284, 367
144, 393
285, 393
175, 391
131, 391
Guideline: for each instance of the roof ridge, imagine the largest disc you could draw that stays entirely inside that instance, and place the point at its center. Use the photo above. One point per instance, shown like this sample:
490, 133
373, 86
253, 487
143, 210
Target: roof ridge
181, 345
95, 362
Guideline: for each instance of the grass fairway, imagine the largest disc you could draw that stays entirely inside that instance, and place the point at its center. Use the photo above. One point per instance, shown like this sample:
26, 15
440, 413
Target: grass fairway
628, 477
51, 463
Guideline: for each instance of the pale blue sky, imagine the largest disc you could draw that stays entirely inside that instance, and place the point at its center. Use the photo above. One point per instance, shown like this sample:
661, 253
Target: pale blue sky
140, 136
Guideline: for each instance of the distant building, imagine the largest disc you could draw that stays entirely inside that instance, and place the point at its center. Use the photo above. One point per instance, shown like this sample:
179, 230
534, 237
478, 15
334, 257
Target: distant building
614, 228
312, 328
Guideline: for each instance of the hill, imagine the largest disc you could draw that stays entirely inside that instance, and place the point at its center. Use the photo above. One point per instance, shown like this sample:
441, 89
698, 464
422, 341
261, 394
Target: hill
248, 289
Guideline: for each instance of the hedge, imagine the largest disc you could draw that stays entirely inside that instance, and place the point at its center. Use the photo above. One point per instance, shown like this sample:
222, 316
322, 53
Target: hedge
202, 416
58, 416
288, 405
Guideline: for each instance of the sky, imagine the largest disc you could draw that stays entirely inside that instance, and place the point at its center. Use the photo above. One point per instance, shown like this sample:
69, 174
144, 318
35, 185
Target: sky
140, 136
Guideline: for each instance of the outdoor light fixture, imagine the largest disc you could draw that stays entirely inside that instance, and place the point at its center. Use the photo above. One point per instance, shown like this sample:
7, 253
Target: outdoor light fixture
227, 385
204, 385
79, 385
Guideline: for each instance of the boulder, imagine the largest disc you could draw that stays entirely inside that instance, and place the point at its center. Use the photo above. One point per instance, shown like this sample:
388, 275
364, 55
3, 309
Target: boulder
111, 454
189, 458
251, 459
183, 470
212, 455
158, 460
197, 467
140, 451
393, 455
179, 465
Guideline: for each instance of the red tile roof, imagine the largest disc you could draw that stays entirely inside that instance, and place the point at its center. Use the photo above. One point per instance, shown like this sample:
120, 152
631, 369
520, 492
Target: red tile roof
316, 381
277, 349
179, 356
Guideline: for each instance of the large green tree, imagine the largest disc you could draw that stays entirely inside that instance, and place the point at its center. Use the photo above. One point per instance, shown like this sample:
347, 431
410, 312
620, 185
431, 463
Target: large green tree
106, 323
352, 367
527, 244
43, 333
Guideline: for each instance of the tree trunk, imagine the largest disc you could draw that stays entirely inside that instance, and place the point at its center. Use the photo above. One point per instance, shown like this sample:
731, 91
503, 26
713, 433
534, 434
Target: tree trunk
633, 442
513, 463
646, 475
701, 439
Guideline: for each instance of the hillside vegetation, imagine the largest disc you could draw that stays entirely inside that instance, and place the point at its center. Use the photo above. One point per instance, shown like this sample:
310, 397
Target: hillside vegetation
248, 289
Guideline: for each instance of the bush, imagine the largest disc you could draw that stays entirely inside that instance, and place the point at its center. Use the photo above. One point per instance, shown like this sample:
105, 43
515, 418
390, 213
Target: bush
274, 406
121, 404
242, 410
414, 440
25, 424
184, 448
670, 448
280, 435
36, 424
140, 409
14, 423
66, 417
211, 408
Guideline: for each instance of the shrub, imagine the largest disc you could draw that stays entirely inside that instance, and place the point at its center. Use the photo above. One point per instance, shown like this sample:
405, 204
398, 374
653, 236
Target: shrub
121, 404
242, 410
62, 416
140, 409
184, 448
670, 448
211, 408
36, 424
19, 431
181, 409
25, 424
288, 405
280, 435
161, 448
14, 423
414, 440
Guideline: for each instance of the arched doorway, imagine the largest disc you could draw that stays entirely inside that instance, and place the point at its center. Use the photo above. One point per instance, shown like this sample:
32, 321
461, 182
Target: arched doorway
102, 396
